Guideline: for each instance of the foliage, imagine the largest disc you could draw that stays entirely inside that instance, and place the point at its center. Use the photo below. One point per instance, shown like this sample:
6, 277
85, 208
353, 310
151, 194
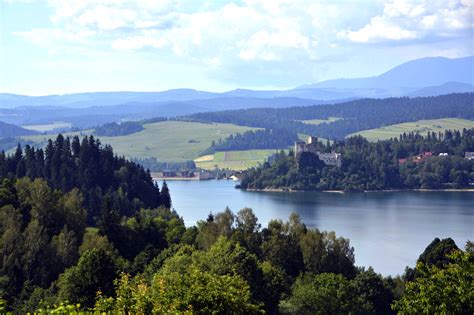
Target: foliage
113, 129
237, 267
375, 290
40, 234
102, 178
258, 139
40, 241
11, 142
192, 292
437, 252
374, 166
323, 252
95, 271
324, 294
62, 308
441, 290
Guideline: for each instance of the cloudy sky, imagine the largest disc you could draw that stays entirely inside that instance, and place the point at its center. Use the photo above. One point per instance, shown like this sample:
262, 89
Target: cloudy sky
65, 46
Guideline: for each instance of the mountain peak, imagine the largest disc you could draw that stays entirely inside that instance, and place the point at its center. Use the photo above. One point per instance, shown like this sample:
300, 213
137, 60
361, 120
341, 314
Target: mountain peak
414, 74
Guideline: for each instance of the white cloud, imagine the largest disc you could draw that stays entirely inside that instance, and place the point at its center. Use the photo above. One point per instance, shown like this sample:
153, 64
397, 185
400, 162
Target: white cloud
253, 30
379, 29
415, 19
50, 37
249, 40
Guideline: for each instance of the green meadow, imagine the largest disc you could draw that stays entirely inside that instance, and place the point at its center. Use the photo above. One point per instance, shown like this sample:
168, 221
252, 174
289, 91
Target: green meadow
234, 160
421, 126
320, 121
166, 141
48, 127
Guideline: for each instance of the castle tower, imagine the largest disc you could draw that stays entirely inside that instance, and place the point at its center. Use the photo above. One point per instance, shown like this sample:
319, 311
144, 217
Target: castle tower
312, 140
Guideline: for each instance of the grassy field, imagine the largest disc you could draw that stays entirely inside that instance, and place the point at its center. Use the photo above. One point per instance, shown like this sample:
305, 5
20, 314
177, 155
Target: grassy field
320, 121
234, 160
167, 141
48, 127
421, 126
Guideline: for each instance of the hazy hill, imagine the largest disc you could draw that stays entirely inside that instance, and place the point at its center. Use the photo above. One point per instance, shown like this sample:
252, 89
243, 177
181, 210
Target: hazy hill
404, 79
97, 115
9, 130
83, 100
419, 73
447, 88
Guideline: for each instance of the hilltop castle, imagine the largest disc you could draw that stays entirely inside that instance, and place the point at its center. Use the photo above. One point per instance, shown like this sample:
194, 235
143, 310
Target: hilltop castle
333, 158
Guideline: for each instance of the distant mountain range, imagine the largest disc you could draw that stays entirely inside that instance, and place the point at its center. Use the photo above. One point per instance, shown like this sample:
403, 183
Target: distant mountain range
412, 75
98, 115
446, 88
420, 77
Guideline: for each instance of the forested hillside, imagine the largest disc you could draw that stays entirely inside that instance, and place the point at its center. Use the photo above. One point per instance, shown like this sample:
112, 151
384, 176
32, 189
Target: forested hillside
122, 129
258, 139
85, 164
356, 115
71, 200
412, 161
226, 264
136, 256
8, 130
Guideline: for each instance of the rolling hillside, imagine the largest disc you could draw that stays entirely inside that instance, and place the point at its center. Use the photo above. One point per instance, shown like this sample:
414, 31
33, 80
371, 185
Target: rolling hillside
166, 141
421, 126
234, 160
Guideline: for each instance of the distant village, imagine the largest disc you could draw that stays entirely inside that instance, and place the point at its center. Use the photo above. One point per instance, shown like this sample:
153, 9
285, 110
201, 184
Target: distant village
424, 155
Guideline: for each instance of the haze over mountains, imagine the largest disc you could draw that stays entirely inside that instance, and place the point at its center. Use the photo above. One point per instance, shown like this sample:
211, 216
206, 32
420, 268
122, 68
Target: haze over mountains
420, 77
413, 74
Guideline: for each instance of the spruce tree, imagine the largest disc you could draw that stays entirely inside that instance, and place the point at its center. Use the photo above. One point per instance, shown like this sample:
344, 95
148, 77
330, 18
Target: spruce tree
165, 196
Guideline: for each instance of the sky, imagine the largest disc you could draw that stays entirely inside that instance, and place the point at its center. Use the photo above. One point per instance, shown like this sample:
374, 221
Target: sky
69, 46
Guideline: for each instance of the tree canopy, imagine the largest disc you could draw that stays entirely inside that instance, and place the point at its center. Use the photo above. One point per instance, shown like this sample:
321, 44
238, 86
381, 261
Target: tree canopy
400, 163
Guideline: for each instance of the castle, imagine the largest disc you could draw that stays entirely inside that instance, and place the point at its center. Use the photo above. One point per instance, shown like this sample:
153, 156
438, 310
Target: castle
334, 159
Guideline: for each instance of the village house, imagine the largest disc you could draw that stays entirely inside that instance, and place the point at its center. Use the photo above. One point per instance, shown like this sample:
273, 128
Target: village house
333, 158
420, 157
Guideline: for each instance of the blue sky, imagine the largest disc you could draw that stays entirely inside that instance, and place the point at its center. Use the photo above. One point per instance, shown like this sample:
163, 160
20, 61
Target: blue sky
66, 46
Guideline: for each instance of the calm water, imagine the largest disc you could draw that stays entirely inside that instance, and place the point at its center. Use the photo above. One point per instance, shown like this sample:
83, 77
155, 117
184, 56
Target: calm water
388, 230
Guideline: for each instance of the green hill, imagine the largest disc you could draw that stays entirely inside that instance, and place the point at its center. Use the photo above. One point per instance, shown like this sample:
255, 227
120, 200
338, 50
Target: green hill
234, 160
9, 130
420, 126
166, 141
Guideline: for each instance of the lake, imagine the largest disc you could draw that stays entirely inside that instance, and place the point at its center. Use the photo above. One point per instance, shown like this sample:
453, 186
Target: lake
388, 230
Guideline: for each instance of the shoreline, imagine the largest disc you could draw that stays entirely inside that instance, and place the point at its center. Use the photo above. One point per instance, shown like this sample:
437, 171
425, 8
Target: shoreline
177, 178
360, 191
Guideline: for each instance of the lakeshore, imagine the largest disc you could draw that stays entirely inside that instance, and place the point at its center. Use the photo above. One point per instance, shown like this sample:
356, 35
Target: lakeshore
397, 223
284, 190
